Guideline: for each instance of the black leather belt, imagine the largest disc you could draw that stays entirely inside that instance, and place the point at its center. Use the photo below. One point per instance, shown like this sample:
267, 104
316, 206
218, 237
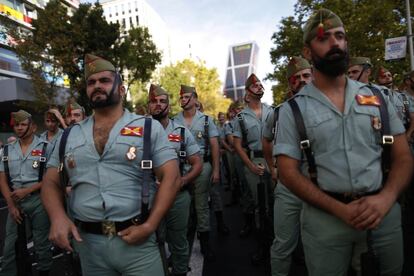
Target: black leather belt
108, 228
255, 154
349, 197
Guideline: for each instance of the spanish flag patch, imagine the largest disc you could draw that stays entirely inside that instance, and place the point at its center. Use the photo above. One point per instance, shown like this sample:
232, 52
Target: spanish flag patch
37, 152
132, 131
174, 137
368, 100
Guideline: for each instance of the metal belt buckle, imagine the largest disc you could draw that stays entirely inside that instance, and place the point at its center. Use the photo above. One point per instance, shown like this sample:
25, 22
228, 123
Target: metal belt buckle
146, 164
305, 144
108, 228
387, 139
182, 153
5, 158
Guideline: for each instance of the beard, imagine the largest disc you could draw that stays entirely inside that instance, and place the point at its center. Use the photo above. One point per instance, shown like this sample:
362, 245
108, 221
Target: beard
110, 100
333, 64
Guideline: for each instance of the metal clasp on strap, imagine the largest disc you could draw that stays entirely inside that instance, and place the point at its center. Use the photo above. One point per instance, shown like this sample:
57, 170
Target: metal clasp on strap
5, 159
42, 159
146, 164
182, 153
108, 228
406, 102
305, 144
387, 139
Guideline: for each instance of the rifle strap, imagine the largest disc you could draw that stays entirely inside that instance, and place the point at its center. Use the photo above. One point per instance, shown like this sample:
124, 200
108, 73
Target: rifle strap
304, 141
206, 138
42, 162
5, 160
62, 147
406, 104
182, 154
243, 131
146, 166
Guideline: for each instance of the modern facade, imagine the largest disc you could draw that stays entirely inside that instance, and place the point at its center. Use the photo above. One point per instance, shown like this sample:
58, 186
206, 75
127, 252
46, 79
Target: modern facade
242, 61
132, 13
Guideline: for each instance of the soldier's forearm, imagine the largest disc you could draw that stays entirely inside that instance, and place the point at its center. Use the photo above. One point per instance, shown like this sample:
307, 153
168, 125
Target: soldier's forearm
5, 190
52, 195
196, 167
241, 152
215, 154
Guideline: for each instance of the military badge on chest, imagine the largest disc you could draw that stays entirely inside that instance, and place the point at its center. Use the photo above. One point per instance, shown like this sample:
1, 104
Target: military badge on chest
70, 159
131, 153
35, 164
376, 123
199, 135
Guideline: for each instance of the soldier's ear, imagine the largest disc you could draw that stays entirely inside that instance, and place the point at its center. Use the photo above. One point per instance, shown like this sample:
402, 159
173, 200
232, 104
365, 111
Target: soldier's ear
369, 71
306, 52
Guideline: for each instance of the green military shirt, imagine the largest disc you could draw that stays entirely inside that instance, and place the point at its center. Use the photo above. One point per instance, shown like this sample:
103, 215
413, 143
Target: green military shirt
173, 130
55, 138
346, 145
197, 128
253, 125
24, 169
108, 186
398, 100
228, 128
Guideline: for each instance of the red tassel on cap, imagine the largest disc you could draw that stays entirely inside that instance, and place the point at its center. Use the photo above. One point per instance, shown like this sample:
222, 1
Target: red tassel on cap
321, 31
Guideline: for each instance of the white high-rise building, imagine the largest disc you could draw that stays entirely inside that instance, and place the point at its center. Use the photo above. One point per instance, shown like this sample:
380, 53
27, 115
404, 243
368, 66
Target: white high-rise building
132, 13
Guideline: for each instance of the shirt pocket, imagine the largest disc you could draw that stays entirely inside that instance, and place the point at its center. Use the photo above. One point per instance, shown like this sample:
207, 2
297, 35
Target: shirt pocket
77, 156
366, 126
322, 131
128, 148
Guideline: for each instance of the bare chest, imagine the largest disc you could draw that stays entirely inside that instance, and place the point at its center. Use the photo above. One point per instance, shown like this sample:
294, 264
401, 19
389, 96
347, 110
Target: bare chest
100, 136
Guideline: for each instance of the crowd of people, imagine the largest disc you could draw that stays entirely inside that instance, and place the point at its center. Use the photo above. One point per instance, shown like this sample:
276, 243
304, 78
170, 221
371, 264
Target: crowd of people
328, 171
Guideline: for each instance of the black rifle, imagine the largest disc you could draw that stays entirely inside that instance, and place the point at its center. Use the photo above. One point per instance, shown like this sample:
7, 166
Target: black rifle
370, 265
23, 263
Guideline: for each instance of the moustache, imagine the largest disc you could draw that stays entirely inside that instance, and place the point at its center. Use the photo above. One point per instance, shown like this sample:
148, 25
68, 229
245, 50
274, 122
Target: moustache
98, 91
335, 54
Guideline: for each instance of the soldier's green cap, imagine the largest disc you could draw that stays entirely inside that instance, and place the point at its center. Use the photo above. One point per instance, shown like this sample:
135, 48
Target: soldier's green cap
251, 80
72, 105
19, 116
156, 90
320, 22
238, 104
95, 64
359, 61
187, 89
295, 65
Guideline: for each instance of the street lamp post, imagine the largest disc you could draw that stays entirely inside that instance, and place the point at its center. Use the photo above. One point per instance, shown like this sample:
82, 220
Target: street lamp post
410, 34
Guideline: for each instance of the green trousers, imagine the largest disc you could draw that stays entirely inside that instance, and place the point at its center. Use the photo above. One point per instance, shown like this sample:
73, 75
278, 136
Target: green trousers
101, 255
202, 186
330, 245
286, 225
246, 200
38, 221
174, 229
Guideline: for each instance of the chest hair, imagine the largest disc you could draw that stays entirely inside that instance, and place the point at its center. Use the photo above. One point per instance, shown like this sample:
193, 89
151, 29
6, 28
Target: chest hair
101, 135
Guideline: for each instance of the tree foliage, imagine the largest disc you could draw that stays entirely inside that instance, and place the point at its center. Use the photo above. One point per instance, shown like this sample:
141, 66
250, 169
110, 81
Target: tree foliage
58, 43
205, 80
367, 23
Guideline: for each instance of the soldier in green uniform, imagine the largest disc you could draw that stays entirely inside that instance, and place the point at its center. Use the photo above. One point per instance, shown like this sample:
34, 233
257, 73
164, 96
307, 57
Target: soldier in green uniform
384, 77
188, 152
236, 164
344, 197
287, 207
359, 69
53, 132
248, 133
24, 160
115, 204
205, 132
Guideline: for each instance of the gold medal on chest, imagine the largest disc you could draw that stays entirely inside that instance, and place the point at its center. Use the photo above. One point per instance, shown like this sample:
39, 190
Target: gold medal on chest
376, 123
35, 164
71, 161
130, 155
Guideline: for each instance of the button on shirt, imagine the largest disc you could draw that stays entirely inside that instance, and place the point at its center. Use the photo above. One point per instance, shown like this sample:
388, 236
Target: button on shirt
254, 126
24, 169
108, 186
197, 128
346, 145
